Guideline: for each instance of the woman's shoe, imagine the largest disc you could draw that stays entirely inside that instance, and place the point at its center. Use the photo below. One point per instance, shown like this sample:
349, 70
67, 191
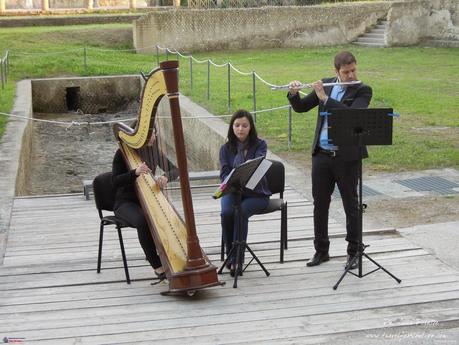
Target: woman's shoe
161, 276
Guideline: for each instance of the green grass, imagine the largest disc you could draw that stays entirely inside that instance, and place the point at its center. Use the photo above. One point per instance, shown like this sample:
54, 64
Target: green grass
419, 83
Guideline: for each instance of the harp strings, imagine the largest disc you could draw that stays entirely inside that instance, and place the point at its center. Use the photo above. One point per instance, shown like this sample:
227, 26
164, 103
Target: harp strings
160, 154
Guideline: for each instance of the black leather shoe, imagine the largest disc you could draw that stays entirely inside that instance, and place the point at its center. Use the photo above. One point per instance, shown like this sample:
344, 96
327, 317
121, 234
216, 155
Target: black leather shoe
348, 262
161, 276
318, 258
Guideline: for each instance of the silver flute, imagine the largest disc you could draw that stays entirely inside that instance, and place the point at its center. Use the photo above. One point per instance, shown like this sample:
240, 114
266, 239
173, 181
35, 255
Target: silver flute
304, 86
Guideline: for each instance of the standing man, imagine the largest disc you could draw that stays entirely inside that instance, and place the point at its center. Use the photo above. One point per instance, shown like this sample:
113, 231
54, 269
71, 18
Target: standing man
332, 164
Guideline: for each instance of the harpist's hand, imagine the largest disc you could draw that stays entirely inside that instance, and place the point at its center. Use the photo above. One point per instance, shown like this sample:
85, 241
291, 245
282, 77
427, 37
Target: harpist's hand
162, 181
142, 169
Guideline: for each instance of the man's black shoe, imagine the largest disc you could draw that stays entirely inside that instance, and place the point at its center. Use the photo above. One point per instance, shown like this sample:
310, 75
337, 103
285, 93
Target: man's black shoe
317, 259
354, 265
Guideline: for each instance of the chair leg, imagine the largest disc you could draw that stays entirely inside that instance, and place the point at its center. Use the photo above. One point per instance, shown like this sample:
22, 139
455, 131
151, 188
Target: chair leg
285, 226
99, 256
283, 236
126, 270
281, 259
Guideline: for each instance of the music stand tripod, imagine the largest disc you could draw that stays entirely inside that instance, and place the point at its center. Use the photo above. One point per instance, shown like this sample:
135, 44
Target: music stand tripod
240, 179
360, 127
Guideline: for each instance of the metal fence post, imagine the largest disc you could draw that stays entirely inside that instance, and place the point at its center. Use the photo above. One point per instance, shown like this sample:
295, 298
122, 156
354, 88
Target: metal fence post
191, 74
289, 127
254, 97
7, 65
208, 79
2, 73
167, 54
85, 61
229, 88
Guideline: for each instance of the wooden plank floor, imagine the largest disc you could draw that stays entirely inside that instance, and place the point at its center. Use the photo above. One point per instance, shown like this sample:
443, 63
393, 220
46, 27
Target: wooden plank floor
51, 294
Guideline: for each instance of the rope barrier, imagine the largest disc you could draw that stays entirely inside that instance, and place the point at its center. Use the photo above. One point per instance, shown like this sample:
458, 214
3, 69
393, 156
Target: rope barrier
214, 64
168, 50
217, 65
66, 123
78, 123
242, 73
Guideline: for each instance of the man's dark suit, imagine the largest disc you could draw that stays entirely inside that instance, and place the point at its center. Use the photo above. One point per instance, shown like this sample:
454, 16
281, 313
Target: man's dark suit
327, 170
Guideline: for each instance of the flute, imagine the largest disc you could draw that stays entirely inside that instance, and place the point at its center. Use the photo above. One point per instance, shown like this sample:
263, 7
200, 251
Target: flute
303, 86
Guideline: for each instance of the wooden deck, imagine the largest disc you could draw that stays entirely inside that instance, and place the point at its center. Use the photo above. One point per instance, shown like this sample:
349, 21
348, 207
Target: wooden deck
51, 294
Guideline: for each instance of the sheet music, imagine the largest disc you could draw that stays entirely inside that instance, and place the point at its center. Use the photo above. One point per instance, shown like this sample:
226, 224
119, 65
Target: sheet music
258, 174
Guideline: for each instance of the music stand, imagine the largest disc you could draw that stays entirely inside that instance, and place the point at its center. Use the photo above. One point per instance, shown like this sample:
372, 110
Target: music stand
247, 175
360, 127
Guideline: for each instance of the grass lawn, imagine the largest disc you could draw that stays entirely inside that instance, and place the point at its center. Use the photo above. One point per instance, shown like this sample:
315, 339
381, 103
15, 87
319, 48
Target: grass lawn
419, 83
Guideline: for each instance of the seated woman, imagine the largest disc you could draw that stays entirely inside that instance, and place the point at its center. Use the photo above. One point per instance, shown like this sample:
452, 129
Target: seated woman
242, 144
127, 206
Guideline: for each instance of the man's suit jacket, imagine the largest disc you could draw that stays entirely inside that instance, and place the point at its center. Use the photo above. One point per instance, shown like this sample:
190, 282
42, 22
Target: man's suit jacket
356, 96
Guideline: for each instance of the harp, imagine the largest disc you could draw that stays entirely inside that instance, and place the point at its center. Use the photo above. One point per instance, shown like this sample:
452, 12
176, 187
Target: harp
186, 265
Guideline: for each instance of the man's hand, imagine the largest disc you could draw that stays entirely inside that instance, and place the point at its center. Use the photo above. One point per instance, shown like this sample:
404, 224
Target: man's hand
294, 87
318, 87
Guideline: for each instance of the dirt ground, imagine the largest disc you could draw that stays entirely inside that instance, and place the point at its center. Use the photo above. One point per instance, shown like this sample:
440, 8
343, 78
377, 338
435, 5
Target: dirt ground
63, 156
387, 212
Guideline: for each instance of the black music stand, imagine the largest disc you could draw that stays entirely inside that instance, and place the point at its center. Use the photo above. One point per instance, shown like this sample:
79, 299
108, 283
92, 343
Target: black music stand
247, 175
360, 127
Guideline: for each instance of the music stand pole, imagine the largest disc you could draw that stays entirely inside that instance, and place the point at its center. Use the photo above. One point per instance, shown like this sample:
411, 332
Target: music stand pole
362, 122
361, 246
240, 245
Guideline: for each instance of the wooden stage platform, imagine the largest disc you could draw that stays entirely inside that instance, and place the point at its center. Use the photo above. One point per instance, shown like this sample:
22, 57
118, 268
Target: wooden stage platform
50, 292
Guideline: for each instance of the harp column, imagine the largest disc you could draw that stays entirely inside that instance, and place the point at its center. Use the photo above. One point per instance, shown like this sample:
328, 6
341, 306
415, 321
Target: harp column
195, 258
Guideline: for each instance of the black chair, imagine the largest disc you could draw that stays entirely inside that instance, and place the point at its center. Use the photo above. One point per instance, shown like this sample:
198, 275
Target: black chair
276, 184
104, 195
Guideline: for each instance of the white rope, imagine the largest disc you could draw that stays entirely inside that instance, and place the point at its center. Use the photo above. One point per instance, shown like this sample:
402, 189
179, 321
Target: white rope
66, 123
79, 123
222, 65
242, 73
275, 108
183, 56
264, 81
198, 61
227, 115
171, 51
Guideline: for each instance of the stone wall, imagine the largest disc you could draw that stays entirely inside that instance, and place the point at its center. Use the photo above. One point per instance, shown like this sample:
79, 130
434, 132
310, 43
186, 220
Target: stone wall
75, 4
410, 22
215, 29
94, 94
203, 132
10, 148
